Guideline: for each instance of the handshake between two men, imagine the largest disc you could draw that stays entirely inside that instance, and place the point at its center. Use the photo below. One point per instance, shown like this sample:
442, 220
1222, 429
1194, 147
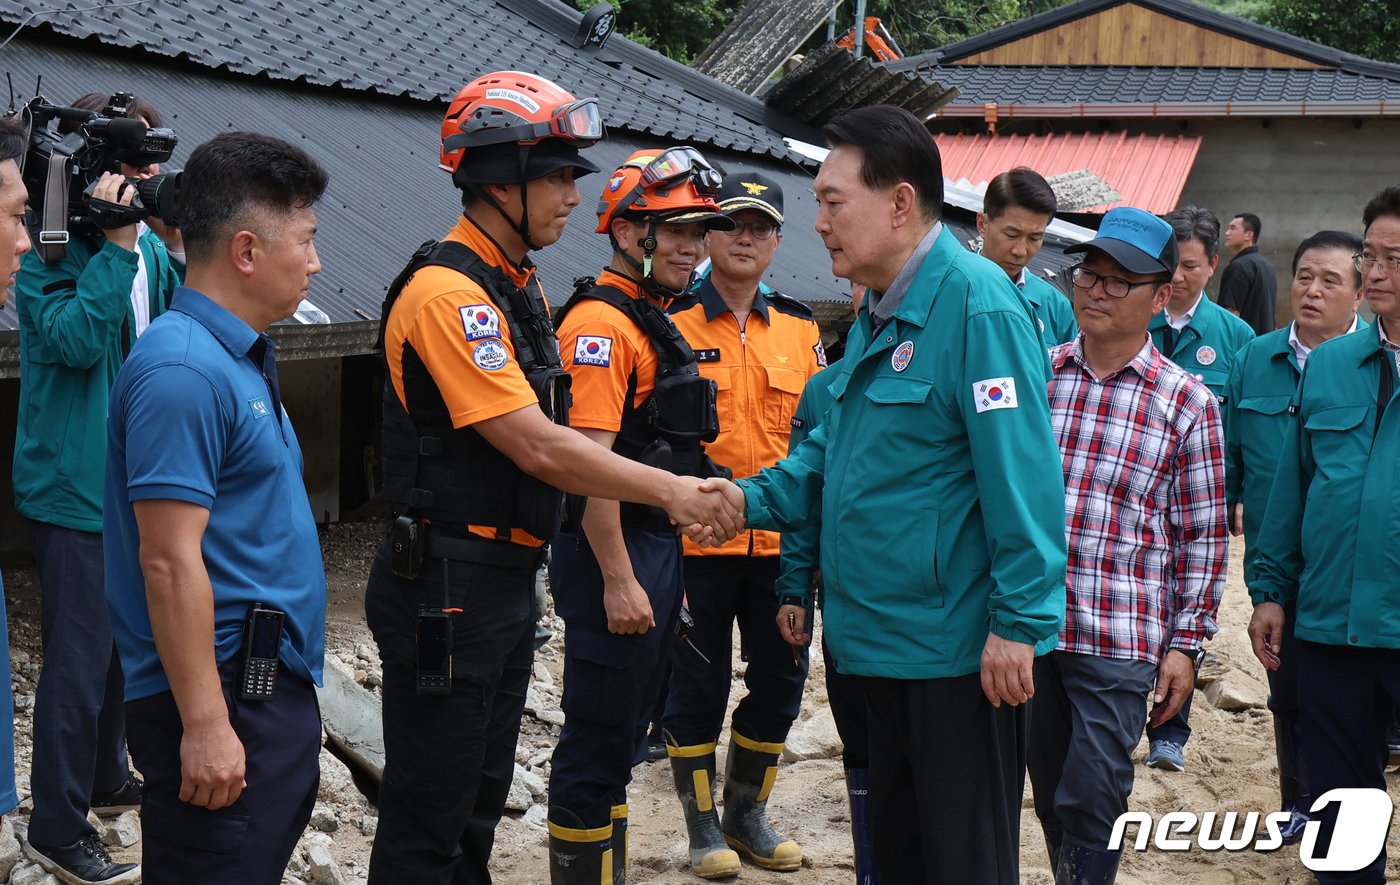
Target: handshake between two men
710, 512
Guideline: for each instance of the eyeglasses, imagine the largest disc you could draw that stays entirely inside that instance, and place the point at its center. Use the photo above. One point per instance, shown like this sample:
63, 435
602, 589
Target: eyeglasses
762, 229
676, 164
1363, 262
1115, 286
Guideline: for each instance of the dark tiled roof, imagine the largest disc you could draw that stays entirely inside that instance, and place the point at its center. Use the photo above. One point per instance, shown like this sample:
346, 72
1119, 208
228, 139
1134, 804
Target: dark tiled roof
1058, 85
1183, 10
397, 48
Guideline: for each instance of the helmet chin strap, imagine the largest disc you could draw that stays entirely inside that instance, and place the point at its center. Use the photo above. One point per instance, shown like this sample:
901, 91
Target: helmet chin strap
521, 227
649, 283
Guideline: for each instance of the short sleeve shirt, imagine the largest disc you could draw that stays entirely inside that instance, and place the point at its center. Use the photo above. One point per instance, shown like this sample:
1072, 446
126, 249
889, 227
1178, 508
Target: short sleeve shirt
464, 343
602, 349
193, 419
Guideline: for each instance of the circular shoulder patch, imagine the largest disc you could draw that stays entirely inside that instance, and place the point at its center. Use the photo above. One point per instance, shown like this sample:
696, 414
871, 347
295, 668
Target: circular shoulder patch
1205, 355
490, 355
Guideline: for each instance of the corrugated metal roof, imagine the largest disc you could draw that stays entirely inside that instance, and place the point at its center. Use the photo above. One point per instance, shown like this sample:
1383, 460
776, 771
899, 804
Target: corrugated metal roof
832, 81
759, 39
406, 49
1149, 171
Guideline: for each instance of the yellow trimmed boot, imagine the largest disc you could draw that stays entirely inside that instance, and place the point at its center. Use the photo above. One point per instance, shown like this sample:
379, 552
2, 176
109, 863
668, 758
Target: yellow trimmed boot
748, 779
694, 771
619, 844
579, 856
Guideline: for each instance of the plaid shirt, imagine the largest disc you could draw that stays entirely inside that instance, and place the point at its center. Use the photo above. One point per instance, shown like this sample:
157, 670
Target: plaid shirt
1144, 505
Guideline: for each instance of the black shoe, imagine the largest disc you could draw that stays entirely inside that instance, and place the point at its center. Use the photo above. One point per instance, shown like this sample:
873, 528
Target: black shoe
85, 862
128, 798
656, 749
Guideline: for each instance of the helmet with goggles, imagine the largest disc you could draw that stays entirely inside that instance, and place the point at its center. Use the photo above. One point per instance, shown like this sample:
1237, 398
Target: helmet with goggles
674, 186
511, 128
508, 127
677, 185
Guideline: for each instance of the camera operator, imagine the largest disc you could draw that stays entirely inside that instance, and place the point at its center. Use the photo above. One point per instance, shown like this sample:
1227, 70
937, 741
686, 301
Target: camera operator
78, 318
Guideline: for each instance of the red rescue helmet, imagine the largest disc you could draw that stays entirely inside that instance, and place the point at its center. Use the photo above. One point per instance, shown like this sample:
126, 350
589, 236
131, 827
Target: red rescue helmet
510, 127
677, 185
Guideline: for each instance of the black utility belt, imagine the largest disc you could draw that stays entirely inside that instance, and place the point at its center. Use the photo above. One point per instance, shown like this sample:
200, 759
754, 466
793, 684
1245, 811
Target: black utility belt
483, 552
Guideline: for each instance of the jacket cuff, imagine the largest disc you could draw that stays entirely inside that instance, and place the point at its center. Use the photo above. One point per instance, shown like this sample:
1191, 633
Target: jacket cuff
1013, 633
755, 513
119, 253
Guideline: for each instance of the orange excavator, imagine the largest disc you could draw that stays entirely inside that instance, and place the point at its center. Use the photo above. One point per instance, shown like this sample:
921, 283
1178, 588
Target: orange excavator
878, 40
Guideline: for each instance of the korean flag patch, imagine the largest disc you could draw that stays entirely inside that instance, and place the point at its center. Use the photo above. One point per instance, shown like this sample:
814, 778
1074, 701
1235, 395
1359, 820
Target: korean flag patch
593, 350
994, 393
480, 321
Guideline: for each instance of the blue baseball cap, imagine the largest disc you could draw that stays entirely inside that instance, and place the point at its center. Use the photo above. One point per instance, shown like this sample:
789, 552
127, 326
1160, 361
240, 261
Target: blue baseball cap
1138, 240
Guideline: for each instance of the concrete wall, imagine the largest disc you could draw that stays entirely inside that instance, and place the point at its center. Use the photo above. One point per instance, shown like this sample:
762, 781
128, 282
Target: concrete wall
1298, 175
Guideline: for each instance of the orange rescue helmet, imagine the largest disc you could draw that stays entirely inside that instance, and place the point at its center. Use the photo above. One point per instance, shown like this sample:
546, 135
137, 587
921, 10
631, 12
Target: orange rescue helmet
509, 127
677, 185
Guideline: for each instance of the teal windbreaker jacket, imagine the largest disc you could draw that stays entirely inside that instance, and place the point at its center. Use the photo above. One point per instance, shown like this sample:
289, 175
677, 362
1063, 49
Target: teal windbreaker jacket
936, 478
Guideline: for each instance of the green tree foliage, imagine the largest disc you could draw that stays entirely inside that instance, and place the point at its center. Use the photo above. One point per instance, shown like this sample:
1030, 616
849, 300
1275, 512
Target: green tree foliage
1365, 27
678, 29
681, 29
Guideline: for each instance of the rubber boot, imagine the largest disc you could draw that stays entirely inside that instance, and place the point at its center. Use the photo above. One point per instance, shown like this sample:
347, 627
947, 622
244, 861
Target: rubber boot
858, 792
693, 769
619, 844
579, 856
1083, 864
748, 779
1292, 778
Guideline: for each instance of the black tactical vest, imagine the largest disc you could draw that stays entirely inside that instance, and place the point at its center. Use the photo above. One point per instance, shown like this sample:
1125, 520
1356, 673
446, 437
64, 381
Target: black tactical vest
670, 428
455, 478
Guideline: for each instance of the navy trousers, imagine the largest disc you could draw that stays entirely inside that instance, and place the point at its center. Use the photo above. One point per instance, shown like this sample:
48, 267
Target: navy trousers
843, 693
610, 680
449, 759
1347, 698
250, 841
721, 590
79, 730
946, 774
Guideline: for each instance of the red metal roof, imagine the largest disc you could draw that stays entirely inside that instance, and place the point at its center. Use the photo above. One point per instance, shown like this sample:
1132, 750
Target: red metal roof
1148, 171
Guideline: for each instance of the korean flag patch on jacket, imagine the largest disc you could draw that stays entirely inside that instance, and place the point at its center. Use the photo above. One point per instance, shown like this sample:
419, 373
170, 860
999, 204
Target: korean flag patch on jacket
593, 350
994, 393
480, 321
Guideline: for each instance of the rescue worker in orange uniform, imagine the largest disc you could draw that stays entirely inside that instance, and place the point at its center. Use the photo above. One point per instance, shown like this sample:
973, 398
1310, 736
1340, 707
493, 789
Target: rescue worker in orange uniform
476, 450
616, 571
760, 346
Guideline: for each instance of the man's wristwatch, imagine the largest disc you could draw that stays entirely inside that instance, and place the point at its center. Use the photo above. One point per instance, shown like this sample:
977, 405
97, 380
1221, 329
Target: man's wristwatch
792, 599
1195, 654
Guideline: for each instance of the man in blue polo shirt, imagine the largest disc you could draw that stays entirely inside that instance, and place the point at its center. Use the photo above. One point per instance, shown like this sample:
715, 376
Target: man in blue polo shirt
206, 518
